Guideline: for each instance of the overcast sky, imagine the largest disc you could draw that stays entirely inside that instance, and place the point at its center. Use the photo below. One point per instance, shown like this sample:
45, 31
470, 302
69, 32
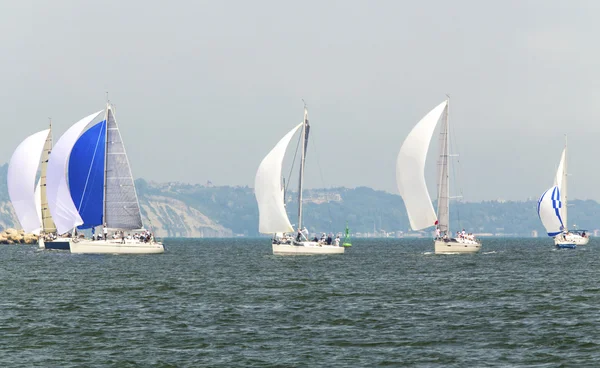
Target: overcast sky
204, 89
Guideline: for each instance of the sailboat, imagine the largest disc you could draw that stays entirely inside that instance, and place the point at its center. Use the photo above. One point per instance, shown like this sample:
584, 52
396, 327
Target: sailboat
552, 210
410, 177
269, 193
90, 185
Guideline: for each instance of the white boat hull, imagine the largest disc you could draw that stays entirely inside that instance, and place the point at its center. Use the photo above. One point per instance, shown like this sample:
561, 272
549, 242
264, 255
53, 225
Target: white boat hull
456, 246
306, 248
574, 239
86, 246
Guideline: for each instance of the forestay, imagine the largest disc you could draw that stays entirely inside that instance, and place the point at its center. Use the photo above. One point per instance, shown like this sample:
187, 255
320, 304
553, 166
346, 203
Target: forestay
268, 190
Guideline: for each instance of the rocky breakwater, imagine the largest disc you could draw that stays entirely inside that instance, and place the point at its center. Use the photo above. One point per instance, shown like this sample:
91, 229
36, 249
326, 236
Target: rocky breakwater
14, 236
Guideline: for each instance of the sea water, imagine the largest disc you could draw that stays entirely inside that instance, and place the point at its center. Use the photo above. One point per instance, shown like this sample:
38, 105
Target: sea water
231, 303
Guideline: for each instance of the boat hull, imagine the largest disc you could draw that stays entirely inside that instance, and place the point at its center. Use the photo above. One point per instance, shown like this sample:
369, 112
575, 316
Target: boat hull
574, 239
85, 246
56, 244
566, 246
306, 248
456, 246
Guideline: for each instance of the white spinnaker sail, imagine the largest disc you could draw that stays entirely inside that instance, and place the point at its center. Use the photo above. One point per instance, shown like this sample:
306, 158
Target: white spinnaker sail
267, 189
549, 206
61, 204
410, 170
22, 171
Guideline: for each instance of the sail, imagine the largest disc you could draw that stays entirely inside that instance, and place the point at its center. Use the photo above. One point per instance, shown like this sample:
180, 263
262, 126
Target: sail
86, 175
122, 209
38, 205
410, 170
443, 211
46, 218
549, 206
561, 182
560, 173
21, 180
305, 134
267, 189
61, 204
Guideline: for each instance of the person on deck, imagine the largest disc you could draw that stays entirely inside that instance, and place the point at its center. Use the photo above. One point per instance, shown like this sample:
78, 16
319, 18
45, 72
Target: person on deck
305, 233
105, 231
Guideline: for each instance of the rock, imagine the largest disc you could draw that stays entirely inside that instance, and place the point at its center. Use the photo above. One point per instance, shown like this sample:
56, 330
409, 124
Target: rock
11, 231
13, 236
30, 239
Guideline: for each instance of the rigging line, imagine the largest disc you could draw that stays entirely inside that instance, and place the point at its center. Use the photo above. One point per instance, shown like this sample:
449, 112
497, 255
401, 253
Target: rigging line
291, 168
456, 172
323, 181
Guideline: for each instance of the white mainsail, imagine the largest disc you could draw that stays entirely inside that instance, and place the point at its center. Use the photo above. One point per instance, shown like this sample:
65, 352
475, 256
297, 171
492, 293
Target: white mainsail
410, 170
549, 210
63, 210
38, 205
267, 189
22, 172
47, 221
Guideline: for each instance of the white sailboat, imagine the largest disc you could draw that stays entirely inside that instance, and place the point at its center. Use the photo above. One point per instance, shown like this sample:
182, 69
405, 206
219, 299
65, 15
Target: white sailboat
552, 209
90, 185
273, 218
410, 177
29, 199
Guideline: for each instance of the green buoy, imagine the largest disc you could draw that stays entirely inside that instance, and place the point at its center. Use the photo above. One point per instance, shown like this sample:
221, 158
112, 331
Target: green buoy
347, 237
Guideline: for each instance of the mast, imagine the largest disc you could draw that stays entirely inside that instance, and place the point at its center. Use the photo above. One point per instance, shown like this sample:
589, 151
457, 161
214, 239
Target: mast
305, 131
564, 188
105, 161
443, 210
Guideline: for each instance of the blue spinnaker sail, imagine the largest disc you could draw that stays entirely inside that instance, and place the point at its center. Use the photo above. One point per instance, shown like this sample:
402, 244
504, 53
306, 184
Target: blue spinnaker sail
549, 206
86, 175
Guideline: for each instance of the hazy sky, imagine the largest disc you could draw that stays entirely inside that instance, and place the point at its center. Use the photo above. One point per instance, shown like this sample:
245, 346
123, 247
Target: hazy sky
204, 89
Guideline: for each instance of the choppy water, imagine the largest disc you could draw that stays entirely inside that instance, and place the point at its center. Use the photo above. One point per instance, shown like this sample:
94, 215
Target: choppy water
230, 302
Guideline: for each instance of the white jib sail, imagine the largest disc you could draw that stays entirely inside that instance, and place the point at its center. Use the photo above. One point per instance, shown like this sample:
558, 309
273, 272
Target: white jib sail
549, 206
561, 182
61, 204
22, 171
267, 189
410, 170
558, 181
